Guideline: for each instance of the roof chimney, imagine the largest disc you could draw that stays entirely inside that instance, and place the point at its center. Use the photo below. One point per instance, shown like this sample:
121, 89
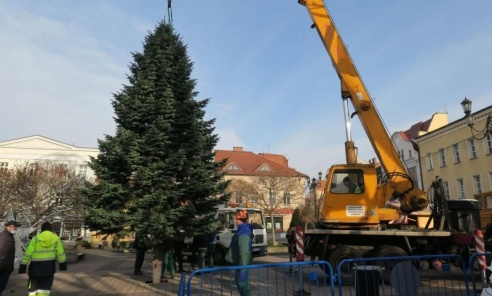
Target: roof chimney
237, 148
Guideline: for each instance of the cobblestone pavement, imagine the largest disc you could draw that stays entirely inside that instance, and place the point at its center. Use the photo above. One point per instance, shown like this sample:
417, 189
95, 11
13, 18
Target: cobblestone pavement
105, 272
101, 272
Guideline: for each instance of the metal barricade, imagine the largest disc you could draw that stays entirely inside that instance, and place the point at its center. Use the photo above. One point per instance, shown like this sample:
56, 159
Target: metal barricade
293, 278
403, 276
182, 285
479, 273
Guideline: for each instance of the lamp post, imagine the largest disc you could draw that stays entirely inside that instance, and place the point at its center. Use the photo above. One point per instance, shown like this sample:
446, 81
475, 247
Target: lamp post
312, 184
477, 134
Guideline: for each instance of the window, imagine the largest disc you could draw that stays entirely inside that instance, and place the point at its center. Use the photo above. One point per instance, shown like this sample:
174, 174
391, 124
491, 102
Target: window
265, 168
413, 173
472, 149
460, 185
442, 157
256, 219
477, 184
32, 168
445, 185
271, 197
402, 154
286, 198
456, 153
490, 180
232, 167
4, 166
226, 220
428, 162
488, 201
354, 181
410, 153
82, 170
488, 144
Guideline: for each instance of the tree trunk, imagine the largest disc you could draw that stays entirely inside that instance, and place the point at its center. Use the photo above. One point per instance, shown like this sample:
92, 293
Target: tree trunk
157, 264
156, 271
273, 230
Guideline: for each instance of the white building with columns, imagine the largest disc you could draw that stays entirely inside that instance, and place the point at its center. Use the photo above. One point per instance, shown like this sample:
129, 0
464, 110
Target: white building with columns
39, 149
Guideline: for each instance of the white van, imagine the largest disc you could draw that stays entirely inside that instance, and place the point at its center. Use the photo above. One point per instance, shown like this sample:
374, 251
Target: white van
227, 217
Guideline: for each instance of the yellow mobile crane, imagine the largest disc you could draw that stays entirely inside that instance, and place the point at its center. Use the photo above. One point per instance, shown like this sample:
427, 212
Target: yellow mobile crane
354, 220
366, 207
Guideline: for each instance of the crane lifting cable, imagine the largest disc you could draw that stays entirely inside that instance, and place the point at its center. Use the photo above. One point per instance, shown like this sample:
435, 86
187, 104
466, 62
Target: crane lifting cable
169, 12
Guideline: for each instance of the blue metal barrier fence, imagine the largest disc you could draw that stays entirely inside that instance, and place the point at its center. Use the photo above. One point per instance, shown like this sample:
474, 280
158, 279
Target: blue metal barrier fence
293, 278
404, 276
478, 276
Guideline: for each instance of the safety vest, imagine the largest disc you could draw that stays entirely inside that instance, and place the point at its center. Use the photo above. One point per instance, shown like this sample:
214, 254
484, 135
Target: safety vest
42, 253
356, 190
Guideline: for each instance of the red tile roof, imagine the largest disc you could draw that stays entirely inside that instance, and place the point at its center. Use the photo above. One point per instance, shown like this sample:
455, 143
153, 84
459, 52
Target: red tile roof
280, 159
249, 163
422, 126
403, 136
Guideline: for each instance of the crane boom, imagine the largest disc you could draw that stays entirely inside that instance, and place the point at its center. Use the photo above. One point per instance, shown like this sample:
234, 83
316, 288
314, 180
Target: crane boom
353, 87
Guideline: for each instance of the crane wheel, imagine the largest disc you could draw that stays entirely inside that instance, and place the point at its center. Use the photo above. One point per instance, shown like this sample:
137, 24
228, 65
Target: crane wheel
219, 255
369, 253
335, 256
387, 265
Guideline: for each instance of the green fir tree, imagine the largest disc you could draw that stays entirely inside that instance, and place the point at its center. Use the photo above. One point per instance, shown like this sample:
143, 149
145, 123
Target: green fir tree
296, 219
157, 175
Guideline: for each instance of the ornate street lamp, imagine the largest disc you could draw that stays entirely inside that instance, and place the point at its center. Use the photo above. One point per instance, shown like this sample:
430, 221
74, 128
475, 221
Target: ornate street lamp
477, 134
312, 184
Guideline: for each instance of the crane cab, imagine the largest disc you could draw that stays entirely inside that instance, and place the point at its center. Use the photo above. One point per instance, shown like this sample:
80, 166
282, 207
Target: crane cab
351, 198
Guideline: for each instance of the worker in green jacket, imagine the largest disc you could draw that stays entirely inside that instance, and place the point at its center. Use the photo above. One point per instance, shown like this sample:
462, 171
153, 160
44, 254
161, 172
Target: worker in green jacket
242, 251
41, 254
350, 186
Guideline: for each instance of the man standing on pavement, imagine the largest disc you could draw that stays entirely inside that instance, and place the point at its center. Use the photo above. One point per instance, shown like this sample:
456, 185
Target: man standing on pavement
42, 253
178, 250
168, 262
140, 248
7, 253
241, 251
211, 242
198, 251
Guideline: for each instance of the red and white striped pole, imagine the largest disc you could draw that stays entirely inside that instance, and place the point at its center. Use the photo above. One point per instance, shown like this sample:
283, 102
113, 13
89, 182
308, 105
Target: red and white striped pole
299, 244
480, 249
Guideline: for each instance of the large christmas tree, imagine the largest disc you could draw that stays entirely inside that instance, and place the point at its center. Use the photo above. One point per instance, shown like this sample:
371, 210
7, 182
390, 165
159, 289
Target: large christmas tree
157, 175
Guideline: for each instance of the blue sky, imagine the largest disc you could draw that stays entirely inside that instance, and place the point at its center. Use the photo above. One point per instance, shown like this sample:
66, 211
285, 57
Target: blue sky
271, 83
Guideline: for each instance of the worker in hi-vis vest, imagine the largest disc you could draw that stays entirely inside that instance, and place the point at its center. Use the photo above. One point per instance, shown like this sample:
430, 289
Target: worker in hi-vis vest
350, 186
41, 254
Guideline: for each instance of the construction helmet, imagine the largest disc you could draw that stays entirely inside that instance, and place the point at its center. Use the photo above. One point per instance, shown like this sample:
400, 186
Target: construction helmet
241, 214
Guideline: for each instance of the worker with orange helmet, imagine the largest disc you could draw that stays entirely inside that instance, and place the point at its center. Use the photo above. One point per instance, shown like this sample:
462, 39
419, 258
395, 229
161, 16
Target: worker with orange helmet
241, 251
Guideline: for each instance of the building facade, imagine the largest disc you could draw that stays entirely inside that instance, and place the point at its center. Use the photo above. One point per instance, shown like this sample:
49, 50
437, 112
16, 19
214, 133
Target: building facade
248, 167
464, 163
34, 151
408, 148
242, 165
39, 149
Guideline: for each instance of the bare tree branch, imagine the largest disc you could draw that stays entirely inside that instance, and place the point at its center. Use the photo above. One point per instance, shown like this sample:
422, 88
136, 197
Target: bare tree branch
42, 187
275, 191
242, 192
